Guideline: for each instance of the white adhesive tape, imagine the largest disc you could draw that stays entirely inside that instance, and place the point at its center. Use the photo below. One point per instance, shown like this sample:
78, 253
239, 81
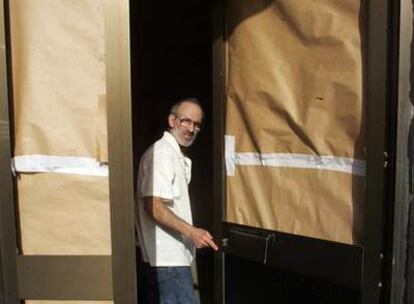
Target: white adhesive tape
288, 160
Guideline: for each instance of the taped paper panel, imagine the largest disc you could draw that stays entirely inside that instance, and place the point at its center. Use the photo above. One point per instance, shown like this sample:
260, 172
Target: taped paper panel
58, 66
64, 214
295, 201
294, 86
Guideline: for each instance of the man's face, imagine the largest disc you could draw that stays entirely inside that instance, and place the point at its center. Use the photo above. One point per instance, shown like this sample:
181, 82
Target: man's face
186, 123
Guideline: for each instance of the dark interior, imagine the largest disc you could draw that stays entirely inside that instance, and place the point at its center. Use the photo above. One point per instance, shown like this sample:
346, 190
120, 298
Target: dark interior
171, 59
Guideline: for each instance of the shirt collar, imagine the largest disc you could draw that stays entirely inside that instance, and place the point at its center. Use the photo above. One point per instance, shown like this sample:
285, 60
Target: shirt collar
172, 141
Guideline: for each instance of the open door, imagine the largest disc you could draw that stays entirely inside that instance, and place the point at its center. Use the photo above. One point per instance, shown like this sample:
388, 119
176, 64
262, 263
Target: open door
299, 175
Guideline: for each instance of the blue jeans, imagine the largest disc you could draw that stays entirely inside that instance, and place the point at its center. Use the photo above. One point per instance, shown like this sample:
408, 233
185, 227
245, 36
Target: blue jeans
168, 285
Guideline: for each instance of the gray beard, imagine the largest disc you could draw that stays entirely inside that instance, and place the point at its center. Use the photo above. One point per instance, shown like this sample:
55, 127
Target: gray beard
175, 133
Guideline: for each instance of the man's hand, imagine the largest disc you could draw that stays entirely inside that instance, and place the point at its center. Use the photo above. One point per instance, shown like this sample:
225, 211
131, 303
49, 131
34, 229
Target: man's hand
202, 238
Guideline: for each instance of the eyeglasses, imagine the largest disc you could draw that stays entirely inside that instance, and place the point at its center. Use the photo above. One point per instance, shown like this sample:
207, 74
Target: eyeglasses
187, 122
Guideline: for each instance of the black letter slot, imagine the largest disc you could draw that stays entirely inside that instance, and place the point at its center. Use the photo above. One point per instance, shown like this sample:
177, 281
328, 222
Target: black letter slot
252, 245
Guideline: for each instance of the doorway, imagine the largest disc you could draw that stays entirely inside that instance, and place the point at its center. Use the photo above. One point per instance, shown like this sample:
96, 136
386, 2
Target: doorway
171, 59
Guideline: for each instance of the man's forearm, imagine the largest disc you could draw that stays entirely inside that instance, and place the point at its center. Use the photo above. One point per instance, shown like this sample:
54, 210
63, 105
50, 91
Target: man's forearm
165, 217
157, 209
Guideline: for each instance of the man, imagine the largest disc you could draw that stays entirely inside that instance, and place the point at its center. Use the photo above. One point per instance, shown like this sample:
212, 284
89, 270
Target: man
166, 235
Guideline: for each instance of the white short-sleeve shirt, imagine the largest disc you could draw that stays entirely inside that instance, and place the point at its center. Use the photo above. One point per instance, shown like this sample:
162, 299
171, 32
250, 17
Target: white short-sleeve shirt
164, 172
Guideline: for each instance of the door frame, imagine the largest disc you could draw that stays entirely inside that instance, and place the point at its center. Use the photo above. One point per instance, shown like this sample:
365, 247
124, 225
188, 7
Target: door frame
396, 264
120, 150
8, 245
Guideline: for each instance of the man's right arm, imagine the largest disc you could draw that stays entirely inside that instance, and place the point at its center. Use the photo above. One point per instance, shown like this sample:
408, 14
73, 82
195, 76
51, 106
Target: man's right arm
157, 209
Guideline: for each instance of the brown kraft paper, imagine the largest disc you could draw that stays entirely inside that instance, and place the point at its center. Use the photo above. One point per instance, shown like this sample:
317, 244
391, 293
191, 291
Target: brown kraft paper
294, 85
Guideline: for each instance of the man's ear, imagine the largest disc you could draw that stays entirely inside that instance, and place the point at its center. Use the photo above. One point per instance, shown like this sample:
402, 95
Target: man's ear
171, 119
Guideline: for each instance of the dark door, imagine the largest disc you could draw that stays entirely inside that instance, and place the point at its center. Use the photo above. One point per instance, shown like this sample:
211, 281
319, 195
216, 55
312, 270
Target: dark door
261, 263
